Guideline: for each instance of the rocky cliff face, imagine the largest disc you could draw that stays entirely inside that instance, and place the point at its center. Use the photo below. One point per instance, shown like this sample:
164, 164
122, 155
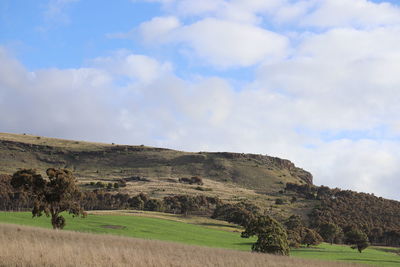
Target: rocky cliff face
267, 161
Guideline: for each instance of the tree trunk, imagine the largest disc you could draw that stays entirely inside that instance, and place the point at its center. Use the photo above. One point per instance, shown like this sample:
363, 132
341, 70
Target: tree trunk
54, 221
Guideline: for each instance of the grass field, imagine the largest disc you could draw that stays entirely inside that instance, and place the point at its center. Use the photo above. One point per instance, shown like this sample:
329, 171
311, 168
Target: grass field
23, 246
141, 227
172, 229
379, 256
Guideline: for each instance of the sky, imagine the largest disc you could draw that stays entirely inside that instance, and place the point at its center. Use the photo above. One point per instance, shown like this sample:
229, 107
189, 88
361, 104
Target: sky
313, 81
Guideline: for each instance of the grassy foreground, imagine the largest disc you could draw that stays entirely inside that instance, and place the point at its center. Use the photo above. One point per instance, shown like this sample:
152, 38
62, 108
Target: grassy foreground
27, 246
187, 233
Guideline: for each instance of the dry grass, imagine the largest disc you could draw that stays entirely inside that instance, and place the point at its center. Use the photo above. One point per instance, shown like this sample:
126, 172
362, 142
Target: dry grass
27, 246
40, 140
227, 192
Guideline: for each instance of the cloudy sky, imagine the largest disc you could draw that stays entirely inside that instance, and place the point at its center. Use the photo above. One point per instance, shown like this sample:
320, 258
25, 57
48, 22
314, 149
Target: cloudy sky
313, 81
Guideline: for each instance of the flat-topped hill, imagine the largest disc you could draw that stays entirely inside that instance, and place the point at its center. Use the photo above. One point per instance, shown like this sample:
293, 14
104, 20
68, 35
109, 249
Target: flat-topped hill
110, 161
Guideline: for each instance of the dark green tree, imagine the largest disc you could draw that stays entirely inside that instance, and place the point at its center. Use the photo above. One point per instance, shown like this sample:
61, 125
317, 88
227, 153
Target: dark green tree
357, 239
329, 231
50, 196
310, 237
294, 222
294, 226
272, 237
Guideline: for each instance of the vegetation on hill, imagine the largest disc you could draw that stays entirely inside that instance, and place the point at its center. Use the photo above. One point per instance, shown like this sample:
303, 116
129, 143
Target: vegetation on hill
376, 217
158, 173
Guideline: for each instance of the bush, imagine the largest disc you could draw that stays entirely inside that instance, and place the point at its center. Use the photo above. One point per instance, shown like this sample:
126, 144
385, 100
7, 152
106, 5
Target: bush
271, 236
192, 180
154, 205
100, 184
202, 188
240, 213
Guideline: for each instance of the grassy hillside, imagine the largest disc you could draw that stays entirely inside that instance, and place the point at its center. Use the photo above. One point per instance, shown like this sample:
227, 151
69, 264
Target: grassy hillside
105, 161
27, 246
229, 176
143, 227
199, 231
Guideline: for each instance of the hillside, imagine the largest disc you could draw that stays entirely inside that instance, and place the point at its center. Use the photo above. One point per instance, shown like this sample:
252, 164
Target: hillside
229, 176
273, 185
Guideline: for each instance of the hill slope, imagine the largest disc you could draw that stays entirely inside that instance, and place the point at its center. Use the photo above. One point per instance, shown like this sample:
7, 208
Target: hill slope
230, 176
117, 161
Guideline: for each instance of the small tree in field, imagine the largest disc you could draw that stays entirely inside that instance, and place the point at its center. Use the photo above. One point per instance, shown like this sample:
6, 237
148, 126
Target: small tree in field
356, 239
310, 237
50, 196
329, 231
272, 237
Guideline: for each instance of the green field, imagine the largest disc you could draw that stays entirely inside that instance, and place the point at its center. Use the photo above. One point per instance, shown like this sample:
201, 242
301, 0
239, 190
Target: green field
379, 256
161, 229
141, 227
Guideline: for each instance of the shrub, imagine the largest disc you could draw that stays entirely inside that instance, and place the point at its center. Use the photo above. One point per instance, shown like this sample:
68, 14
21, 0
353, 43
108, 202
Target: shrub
154, 205
271, 236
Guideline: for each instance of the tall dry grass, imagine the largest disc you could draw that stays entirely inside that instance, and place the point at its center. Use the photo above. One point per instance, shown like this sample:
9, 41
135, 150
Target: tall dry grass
28, 246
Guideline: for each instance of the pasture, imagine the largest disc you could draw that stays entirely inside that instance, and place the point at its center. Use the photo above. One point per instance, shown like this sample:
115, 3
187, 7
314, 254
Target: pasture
200, 232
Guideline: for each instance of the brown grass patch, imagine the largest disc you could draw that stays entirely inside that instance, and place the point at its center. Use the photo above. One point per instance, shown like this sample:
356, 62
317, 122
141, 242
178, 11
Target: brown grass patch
28, 246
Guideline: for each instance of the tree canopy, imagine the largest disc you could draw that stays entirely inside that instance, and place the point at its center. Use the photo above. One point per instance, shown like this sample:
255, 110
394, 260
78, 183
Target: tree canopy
272, 237
52, 196
357, 239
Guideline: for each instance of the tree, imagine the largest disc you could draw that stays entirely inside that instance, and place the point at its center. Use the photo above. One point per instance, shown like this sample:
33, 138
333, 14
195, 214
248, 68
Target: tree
356, 239
329, 232
294, 227
272, 237
240, 213
294, 223
50, 196
310, 237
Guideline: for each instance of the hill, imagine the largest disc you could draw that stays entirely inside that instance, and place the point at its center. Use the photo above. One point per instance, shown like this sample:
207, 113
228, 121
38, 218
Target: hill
200, 183
156, 171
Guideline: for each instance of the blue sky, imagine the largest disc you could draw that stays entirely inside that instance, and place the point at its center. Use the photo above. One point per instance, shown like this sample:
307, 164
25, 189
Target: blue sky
314, 81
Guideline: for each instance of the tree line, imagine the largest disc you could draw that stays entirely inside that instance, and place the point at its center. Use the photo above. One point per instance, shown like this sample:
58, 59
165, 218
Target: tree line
376, 217
15, 199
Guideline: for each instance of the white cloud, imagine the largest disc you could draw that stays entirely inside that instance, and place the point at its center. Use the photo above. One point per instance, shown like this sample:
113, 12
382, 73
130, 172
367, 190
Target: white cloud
54, 102
364, 165
355, 13
346, 77
138, 68
158, 29
221, 43
227, 44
